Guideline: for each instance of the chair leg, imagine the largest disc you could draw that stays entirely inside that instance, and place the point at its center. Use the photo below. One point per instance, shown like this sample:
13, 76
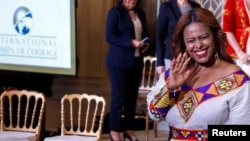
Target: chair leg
146, 126
155, 129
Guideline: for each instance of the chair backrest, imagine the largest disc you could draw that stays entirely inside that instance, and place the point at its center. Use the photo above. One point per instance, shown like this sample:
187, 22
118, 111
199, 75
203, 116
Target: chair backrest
149, 78
149, 74
82, 114
22, 110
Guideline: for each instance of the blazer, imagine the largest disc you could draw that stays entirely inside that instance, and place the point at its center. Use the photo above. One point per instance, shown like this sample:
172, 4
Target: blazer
119, 34
168, 17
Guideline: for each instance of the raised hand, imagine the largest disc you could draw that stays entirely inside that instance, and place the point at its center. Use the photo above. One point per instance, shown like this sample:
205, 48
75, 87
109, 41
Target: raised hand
179, 71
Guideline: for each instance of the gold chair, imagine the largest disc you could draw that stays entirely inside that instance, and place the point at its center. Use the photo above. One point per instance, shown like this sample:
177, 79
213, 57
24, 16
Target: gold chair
82, 118
149, 77
21, 115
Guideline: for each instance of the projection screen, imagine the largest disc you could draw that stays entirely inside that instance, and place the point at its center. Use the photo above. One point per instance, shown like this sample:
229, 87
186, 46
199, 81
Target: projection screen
38, 36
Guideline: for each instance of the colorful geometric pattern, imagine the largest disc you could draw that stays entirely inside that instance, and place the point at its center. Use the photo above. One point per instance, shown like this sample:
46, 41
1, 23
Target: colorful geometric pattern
161, 103
188, 99
188, 105
193, 97
160, 107
190, 135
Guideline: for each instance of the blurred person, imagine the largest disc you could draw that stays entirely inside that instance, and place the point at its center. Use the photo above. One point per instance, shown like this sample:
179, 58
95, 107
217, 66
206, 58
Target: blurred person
236, 24
126, 26
169, 13
203, 86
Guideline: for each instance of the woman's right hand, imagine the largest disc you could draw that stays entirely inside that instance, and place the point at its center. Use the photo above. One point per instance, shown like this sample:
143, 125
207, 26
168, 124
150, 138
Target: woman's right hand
137, 43
244, 57
179, 71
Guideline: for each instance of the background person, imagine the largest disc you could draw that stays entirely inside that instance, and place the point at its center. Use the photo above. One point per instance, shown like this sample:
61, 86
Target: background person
236, 24
203, 84
125, 28
169, 13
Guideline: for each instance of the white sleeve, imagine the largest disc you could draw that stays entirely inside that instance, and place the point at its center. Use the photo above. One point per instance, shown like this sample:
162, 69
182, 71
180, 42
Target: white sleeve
156, 89
239, 106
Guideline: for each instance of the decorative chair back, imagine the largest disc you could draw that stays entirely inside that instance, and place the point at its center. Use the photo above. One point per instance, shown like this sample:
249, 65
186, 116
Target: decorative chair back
22, 110
82, 114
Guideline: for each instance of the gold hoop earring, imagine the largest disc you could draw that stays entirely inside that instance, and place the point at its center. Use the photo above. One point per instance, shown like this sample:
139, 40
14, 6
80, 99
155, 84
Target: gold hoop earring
217, 59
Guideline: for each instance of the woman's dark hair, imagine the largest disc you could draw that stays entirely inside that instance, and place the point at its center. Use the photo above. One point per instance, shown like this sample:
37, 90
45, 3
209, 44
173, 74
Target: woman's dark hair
119, 3
204, 16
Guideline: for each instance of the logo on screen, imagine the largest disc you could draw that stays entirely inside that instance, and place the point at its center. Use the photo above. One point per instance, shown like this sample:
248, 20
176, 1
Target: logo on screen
23, 20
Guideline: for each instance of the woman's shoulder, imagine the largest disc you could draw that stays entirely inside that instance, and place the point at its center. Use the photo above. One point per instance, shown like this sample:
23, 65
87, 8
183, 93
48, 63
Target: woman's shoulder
116, 12
117, 9
229, 68
139, 10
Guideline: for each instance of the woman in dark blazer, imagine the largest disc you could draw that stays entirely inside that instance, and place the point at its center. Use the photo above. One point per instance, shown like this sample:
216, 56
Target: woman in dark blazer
169, 14
125, 28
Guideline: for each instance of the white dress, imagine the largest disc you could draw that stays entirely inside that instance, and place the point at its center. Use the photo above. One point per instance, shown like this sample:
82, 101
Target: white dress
225, 101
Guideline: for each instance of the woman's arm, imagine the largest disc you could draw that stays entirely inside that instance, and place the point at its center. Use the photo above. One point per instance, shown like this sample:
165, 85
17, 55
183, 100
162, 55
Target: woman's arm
158, 100
243, 56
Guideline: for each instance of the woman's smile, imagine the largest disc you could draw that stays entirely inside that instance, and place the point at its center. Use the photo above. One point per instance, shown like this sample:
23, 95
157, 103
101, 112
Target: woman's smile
201, 53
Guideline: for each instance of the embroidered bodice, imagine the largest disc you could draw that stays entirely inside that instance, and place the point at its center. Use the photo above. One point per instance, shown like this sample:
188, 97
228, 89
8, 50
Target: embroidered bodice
190, 98
224, 101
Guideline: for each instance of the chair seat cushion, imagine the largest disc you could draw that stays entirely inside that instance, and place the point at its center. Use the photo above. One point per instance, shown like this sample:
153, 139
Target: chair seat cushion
70, 138
17, 136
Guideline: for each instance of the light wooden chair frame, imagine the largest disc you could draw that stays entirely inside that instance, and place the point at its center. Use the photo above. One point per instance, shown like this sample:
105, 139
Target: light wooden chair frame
32, 115
149, 78
78, 120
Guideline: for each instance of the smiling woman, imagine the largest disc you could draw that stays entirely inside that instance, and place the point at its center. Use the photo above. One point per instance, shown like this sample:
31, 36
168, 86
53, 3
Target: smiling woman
202, 75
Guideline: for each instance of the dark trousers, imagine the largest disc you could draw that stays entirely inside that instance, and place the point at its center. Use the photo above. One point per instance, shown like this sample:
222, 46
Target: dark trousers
124, 86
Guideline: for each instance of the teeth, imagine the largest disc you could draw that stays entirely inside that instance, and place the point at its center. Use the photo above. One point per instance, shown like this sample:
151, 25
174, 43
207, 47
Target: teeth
200, 52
